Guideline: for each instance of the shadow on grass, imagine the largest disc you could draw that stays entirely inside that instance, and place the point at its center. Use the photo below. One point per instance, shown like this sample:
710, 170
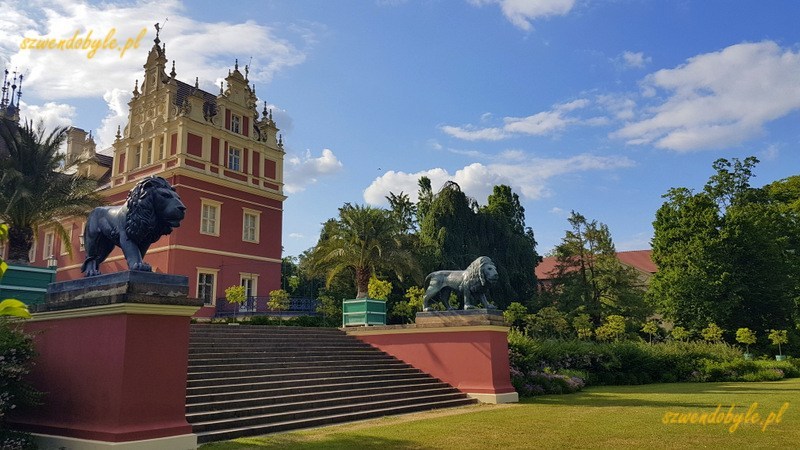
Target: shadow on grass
332, 441
624, 396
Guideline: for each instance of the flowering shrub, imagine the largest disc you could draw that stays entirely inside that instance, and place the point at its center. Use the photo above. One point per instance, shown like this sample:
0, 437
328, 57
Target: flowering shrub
533, 383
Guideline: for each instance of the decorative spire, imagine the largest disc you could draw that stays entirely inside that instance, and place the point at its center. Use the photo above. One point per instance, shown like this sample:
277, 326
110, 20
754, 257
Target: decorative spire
173, 73
158, 30
196, 82
220, 88
119, 134
246, 72
264, 112
4, 98
136, 87
236, 64
280, 141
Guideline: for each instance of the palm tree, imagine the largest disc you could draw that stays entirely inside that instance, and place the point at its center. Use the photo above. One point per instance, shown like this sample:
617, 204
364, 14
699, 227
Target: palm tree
37, 186
365, 239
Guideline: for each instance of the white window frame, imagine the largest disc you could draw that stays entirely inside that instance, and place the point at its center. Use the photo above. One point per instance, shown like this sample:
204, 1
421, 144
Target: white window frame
250, 279
64, 247
251, 234
215, 221
49, 245
137, 156
82, 245
148, 153
162, 148
215, 274
236, 123
235, 159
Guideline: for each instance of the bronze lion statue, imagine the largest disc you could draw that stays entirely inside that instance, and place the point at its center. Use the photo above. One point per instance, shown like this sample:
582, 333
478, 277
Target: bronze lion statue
473, 282
152, 210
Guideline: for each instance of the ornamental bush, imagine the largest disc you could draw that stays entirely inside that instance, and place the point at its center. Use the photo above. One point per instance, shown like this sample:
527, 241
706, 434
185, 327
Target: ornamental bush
628, 362
16, 352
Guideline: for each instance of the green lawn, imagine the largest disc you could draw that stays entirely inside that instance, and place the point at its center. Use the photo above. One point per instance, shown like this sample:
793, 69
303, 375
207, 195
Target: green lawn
599, 417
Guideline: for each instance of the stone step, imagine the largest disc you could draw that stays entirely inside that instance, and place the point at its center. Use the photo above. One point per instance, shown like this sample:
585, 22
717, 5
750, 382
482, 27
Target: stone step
202, 360
289, 363
291, 383
348, 399
309, 412
355, 373
255, 401
267, 426
277, 351
218, 396
226, 371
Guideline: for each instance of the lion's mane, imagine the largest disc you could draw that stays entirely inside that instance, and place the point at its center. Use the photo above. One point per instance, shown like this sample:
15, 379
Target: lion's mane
142, 223
474, 277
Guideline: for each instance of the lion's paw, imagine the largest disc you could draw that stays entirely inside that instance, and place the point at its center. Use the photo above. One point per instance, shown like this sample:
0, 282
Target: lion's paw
142, 267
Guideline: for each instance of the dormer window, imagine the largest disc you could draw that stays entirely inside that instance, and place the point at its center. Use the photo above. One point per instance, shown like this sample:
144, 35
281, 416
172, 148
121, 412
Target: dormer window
236, 124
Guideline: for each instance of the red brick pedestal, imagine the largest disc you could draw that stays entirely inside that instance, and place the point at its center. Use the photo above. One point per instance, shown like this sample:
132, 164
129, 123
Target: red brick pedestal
468, 350
112, 363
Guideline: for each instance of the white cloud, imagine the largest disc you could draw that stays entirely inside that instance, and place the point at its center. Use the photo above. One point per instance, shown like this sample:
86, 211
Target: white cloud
558, 211
718, 99
296, 235
542, 123
770, 153
635, 60
117, 101
306, 169
528, 177
201, 49
522, 12
52, 114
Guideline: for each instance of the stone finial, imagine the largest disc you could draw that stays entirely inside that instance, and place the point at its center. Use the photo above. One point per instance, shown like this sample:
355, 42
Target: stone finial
136, 88
220, 88
196, 82
119, 134
173, 73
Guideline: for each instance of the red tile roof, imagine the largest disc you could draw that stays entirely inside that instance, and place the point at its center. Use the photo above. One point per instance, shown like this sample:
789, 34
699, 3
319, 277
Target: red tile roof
638, 259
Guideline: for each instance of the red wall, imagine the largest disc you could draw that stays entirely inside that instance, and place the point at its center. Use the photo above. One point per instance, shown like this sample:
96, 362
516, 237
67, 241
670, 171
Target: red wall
112, 378
472, 361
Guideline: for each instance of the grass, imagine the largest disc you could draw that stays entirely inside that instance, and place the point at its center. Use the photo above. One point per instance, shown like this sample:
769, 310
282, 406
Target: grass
598, 417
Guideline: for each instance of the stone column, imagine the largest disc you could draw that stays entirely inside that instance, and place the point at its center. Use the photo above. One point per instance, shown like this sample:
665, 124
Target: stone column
112, 363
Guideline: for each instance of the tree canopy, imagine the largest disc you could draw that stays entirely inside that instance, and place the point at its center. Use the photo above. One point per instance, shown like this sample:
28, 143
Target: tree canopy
728, 254
38, 186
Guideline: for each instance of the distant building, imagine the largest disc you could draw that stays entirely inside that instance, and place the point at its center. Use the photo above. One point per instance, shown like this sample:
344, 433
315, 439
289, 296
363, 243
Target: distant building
224, 160
640, 260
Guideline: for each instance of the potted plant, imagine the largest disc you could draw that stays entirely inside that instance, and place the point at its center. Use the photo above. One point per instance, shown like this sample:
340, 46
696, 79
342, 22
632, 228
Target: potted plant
778, 337
370, 310
746, 336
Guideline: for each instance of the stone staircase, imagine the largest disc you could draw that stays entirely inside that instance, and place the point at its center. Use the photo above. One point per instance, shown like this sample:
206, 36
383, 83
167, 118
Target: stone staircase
251, 380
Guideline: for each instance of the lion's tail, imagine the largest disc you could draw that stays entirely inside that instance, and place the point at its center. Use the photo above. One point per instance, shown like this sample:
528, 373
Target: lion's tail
427, 279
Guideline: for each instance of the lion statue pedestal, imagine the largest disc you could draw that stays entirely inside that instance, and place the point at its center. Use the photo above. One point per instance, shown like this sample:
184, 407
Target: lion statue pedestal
470, 318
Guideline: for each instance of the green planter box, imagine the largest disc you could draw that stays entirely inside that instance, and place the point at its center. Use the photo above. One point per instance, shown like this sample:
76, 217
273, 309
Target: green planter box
363, 311
26, 283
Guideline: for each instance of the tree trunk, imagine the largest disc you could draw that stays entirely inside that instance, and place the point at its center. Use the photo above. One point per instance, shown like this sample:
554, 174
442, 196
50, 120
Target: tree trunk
362, 281
20, 241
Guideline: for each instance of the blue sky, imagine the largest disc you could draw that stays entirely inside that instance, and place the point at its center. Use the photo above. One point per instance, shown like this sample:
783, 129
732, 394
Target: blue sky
593, 106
